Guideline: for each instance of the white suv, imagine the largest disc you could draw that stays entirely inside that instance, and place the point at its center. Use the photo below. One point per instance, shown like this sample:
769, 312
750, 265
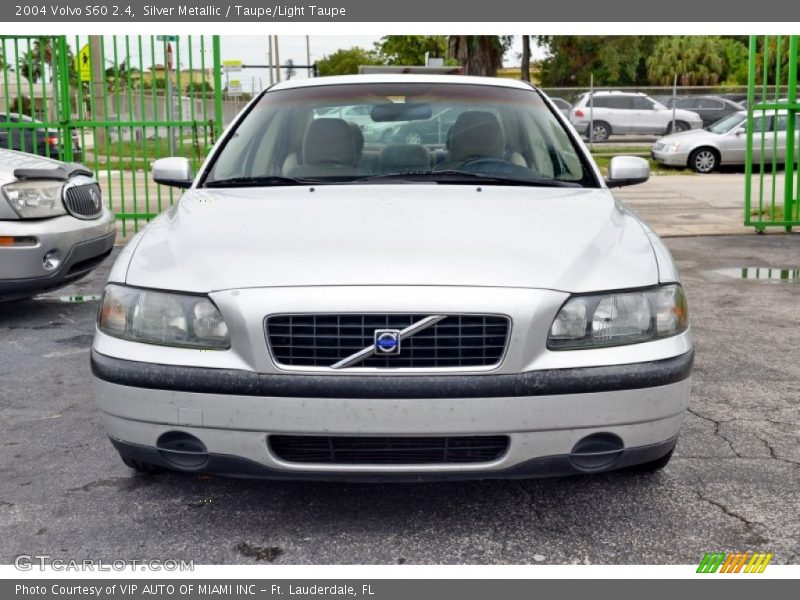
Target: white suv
628, 112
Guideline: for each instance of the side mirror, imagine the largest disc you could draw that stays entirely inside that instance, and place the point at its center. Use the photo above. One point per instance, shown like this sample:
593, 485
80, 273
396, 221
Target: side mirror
627, 170
740, 131
174, 171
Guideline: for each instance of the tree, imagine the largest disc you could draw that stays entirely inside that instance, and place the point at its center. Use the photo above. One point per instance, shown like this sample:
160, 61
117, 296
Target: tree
696, 60
613, 60
409, 50
478, 54
346, 62
525, 64
290, 70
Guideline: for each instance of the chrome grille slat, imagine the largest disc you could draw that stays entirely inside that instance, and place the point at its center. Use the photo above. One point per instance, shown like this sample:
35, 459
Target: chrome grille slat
320, 341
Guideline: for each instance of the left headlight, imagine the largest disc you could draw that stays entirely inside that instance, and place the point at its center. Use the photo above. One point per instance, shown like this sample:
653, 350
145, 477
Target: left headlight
601, 320
163, 318
35, 199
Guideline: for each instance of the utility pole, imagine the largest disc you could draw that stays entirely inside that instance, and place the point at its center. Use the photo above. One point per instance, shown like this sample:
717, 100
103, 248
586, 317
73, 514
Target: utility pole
269, 60
99, 112
308, 52
277, 61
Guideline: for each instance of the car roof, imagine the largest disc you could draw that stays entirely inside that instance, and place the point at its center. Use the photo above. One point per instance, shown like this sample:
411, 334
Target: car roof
403, 78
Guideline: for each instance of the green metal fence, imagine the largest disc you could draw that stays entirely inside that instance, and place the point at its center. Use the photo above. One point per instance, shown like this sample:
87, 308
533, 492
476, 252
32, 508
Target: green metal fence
771, 196
115, 103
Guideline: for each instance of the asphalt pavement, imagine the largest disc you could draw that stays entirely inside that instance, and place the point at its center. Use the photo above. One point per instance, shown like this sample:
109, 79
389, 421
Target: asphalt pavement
733, 484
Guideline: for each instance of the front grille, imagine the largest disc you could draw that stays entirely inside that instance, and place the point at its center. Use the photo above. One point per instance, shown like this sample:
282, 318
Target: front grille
388, 450
84, 201
658, 147
323, 340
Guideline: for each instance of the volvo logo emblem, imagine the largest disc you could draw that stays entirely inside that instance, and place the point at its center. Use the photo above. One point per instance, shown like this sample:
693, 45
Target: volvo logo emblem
387, 341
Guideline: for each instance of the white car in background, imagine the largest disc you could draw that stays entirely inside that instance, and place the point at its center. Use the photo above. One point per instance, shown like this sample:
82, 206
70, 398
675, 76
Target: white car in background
316, 308
724, 143
54, 228
615, 113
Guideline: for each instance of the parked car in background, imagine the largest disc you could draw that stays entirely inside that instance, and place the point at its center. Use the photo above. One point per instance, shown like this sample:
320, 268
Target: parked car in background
33, 137
614, 113
738, 98
562, 105
309, 309
710, 108
431, 131
723, 143
54, 228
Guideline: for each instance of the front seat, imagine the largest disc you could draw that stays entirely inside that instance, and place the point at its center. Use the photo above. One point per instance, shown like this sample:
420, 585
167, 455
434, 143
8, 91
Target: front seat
476, 134
329, 150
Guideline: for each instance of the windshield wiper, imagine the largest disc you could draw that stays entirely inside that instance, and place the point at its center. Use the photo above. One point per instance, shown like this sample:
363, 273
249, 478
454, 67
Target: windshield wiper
454, 176
257, 181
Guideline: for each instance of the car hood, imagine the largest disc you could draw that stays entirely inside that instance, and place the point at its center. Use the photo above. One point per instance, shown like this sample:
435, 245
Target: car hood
10, 160
685, 136
557, 238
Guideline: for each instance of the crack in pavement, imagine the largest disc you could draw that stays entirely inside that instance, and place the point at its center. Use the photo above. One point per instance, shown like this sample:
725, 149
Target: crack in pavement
747, 522
773, 454
717, 432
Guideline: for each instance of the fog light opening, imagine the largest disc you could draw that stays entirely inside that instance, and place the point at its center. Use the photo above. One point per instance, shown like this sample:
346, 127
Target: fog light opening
182, 450
51, 260
597, 451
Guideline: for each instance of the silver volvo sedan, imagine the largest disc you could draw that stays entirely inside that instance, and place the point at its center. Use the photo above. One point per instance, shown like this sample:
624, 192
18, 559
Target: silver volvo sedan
318, 307
54, 228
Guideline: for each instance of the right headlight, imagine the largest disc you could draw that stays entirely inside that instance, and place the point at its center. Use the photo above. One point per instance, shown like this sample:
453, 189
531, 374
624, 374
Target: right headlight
601, 320
35, 199
163, 318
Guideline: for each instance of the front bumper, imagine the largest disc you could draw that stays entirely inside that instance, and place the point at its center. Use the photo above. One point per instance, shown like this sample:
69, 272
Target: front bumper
81, 244
670, 159
544, 414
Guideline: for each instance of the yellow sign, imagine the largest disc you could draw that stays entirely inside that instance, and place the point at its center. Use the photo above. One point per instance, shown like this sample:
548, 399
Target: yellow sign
83, 63
231, 66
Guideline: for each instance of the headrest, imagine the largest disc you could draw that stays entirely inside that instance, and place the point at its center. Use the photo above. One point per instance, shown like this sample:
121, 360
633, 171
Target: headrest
475, 134
358, 137
329, 141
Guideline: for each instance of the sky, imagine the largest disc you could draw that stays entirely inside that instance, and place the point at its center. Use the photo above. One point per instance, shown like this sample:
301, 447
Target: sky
247, 48
253, 50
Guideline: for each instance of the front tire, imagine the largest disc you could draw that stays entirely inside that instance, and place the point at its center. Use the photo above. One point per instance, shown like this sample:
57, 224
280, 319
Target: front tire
704, 160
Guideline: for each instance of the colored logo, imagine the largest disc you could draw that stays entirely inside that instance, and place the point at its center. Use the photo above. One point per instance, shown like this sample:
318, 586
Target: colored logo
739, 562
387, 341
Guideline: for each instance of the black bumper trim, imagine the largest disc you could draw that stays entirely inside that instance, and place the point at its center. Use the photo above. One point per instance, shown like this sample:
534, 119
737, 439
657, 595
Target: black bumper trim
546, 466
81, 259
533, 383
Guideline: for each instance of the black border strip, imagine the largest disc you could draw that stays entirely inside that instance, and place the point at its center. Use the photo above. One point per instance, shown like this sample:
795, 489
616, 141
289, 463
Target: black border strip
533, 383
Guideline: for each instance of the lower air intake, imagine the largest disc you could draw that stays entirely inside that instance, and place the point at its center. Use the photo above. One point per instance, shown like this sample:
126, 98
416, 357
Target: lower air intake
359, 450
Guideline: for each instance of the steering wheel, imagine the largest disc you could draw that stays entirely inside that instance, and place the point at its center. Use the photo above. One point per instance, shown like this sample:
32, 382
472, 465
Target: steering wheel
486, 162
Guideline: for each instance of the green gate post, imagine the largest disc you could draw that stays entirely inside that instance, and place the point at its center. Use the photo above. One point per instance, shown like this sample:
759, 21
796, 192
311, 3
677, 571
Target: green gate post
217, 51
769, 105
788, 191
65, 111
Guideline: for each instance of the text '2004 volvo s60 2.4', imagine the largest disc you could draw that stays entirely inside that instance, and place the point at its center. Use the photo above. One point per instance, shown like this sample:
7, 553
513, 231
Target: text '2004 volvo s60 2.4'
315, 307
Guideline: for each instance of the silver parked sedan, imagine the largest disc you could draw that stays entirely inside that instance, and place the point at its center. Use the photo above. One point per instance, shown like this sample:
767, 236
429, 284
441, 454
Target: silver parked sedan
318, 308
53, 226
723, 143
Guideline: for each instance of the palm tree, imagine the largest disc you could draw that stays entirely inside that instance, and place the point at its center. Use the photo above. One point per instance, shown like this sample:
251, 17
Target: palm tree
696, 60
478, 54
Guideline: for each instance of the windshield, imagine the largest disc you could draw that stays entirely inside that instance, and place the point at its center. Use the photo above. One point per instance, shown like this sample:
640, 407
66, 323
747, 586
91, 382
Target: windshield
399, 132
725, 124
